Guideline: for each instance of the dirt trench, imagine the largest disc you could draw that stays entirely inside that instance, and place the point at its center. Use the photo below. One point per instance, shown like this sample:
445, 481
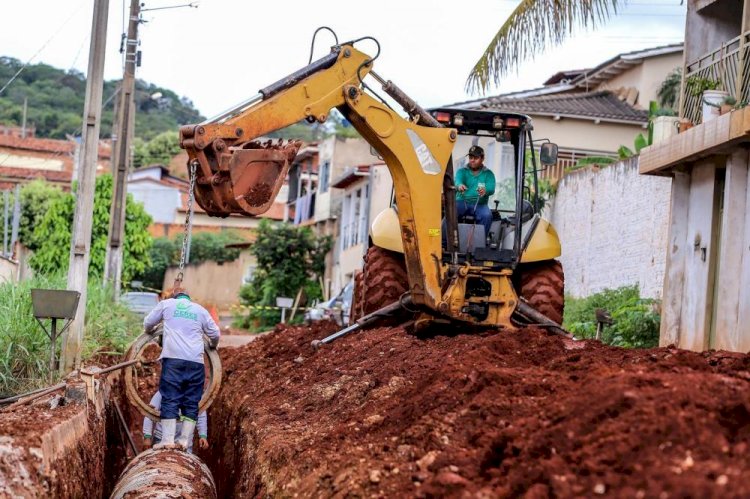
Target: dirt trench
386, 414
523, 414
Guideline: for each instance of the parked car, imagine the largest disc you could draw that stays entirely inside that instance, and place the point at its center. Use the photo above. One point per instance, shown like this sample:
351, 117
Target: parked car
139, 302
336, 309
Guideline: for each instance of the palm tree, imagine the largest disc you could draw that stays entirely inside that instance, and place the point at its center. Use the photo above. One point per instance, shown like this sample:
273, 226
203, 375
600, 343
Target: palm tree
527, 31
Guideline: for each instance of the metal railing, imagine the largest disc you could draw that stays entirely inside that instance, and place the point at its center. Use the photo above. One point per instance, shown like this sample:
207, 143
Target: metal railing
729, 65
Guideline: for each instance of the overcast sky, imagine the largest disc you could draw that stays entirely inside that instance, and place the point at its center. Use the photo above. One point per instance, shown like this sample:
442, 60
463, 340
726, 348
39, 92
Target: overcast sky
226, 50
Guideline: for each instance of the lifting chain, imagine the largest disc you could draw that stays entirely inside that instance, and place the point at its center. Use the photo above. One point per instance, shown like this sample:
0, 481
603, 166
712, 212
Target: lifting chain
188, 216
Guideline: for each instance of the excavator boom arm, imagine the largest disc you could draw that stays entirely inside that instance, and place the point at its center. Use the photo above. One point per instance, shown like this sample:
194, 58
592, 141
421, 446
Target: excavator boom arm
236, 175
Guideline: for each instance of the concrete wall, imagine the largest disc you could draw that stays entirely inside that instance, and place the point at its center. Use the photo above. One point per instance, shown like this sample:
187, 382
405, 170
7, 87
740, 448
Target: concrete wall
159, 201
210, 283
613, 226
342, 154
707, 302
709, 24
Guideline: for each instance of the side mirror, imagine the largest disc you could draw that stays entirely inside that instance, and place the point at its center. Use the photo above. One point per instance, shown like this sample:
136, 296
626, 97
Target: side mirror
548, 154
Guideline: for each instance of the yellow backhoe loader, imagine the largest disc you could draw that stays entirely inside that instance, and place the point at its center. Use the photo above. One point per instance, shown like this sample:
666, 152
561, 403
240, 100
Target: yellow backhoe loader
422, 258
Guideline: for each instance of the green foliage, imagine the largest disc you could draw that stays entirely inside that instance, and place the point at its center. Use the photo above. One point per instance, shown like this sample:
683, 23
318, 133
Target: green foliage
53, 234
531, 28
669, 90
696, 85
289, 258
36, 197
204, 246
159, 150
636, 319
24, 347
56, 98
624, 152
163, 253
640, 142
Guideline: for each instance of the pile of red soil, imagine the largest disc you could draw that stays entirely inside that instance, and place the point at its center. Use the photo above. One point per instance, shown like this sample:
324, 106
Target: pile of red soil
505, 414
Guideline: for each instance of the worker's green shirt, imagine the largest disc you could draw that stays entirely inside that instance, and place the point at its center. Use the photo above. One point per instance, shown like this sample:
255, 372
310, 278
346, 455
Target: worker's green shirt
464, 176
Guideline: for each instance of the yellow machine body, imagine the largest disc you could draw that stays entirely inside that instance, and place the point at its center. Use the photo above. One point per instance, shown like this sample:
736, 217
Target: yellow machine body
417, 157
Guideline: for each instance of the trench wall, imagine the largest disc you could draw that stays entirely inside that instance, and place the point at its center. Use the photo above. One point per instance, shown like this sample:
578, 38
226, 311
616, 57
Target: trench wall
613, 225
71, 451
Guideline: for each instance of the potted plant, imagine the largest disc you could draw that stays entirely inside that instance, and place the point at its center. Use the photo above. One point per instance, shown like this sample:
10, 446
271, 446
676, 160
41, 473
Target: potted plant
708, 91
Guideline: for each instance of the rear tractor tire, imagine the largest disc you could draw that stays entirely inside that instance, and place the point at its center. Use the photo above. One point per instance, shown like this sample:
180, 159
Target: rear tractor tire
543, 286
382, 281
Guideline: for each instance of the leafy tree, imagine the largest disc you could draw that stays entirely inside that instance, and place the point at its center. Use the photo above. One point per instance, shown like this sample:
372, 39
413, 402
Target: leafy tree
56, 97
289, 258
53, 234
159, 150
163, 253
531, 27
36, 197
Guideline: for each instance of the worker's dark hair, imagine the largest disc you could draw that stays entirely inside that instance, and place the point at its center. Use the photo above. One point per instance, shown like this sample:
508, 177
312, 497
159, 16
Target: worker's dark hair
177, 292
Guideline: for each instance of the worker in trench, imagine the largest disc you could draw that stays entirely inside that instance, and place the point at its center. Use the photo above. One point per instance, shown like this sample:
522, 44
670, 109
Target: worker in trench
182, 371
152, 433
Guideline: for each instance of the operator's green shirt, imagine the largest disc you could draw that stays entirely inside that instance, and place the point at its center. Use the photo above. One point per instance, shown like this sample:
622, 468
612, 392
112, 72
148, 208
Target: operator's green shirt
464, 176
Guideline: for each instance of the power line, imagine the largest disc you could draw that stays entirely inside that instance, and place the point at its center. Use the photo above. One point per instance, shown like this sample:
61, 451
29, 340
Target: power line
44, 45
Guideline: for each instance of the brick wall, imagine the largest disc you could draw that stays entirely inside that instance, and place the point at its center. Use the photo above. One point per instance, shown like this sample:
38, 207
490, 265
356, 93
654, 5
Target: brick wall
613, 226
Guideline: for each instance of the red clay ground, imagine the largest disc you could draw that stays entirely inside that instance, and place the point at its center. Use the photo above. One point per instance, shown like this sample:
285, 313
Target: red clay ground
383, 413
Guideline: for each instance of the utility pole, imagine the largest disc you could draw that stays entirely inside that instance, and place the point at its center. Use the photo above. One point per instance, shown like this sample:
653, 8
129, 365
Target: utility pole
114, 258
23, 123
80, 246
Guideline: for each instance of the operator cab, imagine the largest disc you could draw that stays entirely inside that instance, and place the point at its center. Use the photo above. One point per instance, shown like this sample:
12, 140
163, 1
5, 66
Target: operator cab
505, 140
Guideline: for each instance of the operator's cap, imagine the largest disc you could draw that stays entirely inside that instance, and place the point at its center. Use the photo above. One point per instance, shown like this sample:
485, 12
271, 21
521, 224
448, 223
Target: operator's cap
476, 151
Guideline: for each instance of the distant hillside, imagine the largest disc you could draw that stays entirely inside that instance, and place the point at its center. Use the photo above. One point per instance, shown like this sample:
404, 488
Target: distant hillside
56, 97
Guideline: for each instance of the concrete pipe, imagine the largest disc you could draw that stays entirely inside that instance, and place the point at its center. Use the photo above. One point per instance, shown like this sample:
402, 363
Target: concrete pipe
165, 473
131, 388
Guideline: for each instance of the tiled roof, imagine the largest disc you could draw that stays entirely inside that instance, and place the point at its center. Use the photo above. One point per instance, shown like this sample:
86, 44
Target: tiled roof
602, 105
49, 145
34, 173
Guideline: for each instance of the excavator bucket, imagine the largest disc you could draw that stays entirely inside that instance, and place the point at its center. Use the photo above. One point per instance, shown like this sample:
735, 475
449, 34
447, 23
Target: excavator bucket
249, 183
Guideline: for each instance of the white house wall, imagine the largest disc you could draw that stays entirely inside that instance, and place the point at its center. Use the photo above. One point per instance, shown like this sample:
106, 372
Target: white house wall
159, 201
613, 226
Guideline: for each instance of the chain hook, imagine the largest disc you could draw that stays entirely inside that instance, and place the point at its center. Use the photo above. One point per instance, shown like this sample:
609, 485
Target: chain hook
188, 216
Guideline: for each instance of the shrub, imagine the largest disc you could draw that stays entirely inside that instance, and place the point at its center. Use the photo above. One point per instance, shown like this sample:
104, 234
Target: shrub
636, 319
290, 258
24, 347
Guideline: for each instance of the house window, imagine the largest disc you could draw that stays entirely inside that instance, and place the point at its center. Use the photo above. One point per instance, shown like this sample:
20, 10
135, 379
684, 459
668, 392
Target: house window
325, 172
354, 217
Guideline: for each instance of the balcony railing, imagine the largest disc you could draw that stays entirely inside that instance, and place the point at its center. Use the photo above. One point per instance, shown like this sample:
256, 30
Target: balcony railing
729, 65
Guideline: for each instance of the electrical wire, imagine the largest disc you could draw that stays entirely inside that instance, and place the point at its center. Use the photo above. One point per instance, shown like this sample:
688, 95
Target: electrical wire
312, 44
44, 45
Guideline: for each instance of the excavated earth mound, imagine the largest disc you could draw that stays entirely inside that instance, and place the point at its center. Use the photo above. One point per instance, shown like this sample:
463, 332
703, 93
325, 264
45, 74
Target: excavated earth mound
384, 413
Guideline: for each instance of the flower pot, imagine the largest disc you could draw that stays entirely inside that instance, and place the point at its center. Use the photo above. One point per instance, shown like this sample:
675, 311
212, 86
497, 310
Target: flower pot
684, 126
664, 127
712, 100
726, 108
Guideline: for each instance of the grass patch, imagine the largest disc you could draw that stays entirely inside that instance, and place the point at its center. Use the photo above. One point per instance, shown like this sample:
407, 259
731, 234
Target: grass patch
24, 347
